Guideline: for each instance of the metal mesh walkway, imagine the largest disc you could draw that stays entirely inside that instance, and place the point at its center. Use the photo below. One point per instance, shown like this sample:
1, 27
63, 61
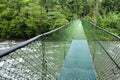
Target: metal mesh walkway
78, 64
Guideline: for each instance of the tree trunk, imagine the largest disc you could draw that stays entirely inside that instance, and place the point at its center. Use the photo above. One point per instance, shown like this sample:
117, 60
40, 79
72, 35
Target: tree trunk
46, 6
95, 11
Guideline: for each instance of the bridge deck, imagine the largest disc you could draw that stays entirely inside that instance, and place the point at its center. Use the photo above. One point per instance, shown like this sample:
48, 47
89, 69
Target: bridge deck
78, 63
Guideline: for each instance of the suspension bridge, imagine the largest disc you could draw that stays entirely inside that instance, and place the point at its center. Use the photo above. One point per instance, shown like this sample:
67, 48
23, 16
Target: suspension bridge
78, 50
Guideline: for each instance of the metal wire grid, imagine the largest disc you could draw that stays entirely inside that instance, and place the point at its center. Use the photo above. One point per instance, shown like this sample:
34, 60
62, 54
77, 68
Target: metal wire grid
39, 60
105, 50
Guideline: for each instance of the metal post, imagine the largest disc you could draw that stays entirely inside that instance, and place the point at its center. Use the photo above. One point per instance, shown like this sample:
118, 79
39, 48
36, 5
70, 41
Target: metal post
44, 62
95, 43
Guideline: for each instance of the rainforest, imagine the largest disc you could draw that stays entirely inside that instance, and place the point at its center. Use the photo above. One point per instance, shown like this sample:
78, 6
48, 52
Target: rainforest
23, 19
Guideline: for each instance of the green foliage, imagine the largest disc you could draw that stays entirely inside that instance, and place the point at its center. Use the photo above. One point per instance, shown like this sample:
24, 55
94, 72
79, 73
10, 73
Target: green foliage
60, 22
110, 22
28, 18
108, 15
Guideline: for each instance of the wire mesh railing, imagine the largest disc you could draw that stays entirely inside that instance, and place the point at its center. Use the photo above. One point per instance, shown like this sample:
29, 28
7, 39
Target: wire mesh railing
39, 58
105, 50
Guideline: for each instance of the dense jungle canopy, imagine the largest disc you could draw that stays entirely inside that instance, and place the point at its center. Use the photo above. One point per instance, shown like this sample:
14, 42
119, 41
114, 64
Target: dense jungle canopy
23, 19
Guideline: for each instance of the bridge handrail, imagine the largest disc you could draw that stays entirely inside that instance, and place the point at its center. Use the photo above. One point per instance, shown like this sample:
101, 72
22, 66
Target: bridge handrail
25, 43
102, 54
114, 35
